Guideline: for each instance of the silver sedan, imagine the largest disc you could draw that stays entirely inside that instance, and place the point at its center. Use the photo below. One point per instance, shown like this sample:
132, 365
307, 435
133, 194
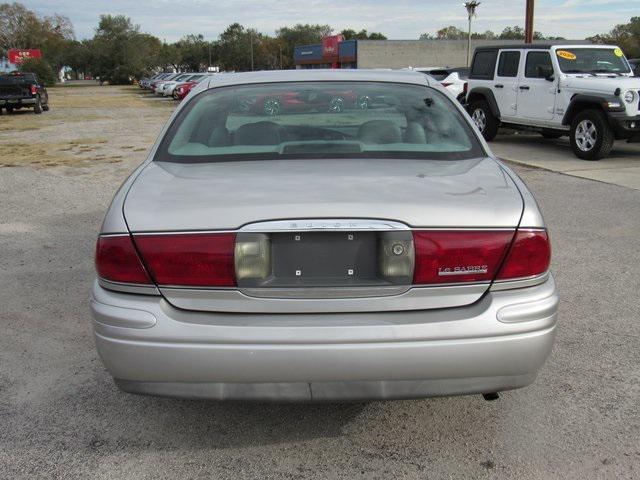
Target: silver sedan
320, 254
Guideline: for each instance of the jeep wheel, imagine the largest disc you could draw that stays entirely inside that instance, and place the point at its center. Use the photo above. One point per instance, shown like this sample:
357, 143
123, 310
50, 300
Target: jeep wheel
591, 136
551, 134
37, 109
486, 122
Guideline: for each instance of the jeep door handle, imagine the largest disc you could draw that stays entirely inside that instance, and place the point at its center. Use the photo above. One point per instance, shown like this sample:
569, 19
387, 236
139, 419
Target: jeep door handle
524, 87
499, 86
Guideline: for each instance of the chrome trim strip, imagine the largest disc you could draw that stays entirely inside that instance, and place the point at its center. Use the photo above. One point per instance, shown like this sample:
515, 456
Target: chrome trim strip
102, 235
500, 285
328, 225
415, 298
129, 287
381, 228
326, 292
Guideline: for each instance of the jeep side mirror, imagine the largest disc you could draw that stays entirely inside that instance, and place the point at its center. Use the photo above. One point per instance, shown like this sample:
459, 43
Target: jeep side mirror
547, 73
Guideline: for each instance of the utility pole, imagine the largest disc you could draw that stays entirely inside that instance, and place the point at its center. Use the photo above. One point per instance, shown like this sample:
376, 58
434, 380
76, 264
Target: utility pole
528, 24
471, 12
251, 42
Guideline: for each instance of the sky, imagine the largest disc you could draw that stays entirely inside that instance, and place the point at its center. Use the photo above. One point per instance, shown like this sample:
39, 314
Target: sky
397, 19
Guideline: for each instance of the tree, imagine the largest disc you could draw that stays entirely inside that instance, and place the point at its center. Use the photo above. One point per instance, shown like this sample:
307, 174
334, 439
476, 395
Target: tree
300, 34
626, 36
120, 52
42, 69
22, 28
235, 46
451, 33
350, 34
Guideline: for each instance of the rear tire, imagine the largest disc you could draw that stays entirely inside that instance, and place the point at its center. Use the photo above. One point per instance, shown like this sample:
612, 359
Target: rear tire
551, 134
484, 119
9, 110
591, 135
37, 109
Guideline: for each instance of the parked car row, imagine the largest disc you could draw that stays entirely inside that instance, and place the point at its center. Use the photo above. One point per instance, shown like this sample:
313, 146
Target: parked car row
174, 85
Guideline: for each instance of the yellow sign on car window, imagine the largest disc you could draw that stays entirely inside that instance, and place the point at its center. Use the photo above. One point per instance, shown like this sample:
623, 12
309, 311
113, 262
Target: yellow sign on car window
566, 55
617, 52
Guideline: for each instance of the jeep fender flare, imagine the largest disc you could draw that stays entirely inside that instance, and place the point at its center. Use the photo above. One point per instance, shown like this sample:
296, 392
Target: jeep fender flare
581, 101
484, 93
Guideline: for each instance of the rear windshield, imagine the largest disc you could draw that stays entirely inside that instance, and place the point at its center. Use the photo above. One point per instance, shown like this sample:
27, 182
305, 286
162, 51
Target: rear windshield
26, 78
592, 60
319, 120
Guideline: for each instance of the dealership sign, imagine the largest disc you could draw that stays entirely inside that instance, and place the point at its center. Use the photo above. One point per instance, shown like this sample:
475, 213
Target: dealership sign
17, 56
330, 46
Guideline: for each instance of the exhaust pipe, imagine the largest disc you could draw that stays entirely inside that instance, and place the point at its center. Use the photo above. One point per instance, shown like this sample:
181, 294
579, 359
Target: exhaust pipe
490, 397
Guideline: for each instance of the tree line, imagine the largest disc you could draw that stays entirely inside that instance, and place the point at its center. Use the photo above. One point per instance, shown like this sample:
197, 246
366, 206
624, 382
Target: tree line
119, 52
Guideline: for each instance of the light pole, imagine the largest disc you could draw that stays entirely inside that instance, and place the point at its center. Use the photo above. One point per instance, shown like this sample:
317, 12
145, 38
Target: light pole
471, 12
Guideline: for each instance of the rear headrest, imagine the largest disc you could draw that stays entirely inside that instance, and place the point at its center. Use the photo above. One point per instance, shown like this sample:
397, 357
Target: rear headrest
259, 133
380, 132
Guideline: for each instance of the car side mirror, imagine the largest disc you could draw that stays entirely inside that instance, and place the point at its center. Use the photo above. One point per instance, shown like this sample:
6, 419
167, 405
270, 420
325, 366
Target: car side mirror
547, 73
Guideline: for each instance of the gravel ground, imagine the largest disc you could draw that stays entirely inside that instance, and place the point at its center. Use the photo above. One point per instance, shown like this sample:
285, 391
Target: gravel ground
62, 417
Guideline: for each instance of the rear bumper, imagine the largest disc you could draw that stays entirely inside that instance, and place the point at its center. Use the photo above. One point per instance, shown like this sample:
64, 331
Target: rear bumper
497, 344
16, 102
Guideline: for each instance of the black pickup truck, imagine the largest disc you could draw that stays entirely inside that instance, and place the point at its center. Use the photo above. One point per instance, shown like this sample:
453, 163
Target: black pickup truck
22, 90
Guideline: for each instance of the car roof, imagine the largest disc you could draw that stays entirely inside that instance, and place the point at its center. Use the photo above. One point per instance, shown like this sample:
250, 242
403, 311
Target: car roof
319, 75
540, 46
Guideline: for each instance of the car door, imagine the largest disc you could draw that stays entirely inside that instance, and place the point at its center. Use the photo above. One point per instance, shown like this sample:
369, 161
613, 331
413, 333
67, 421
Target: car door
505, 85
536, 94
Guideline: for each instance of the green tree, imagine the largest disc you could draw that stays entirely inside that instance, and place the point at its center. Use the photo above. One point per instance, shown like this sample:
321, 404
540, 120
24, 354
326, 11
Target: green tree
300, 34
42, 69
451, 33
626, 36
350, 34
120, 52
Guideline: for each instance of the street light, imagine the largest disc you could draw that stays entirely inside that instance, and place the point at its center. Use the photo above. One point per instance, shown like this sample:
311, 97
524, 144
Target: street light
471, 12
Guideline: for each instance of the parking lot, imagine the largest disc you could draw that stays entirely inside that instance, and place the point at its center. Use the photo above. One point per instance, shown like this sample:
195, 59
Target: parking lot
62, 416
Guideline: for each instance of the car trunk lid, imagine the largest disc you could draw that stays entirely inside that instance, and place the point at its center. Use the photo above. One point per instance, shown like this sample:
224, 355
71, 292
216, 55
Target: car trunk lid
325, 222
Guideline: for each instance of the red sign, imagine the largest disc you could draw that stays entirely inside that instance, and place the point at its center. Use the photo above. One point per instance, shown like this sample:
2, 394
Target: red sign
17, 56
330, 46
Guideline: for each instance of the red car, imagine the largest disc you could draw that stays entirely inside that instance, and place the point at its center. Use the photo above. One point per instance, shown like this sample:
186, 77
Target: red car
332, 101
183, 89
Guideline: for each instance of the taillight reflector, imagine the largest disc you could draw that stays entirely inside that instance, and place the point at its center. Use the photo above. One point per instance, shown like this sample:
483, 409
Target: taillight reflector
117, 261
34, 89
529, 256
193, 260
458, 255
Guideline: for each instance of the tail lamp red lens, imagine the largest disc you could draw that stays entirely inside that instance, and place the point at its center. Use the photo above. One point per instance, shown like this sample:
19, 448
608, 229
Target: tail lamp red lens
193, 260
34, 89
457, 256
530, 255
117, 261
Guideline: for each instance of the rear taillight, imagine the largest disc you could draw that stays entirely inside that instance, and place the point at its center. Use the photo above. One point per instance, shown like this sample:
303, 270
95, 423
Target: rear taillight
457, 256
465, 88
530, 255
191, 260
446, 84
117, 261
34, 89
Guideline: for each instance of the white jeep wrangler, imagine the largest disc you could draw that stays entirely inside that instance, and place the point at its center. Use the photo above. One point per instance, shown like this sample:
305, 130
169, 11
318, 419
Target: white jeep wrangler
585, 91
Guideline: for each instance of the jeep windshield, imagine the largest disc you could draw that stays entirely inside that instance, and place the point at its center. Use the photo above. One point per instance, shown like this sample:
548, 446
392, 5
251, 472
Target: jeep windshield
592, 60
319, 120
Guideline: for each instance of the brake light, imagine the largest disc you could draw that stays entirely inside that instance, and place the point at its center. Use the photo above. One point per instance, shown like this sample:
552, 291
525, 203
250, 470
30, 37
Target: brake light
118, 261
456, 256
193, 260
530, 255
34, 89
445, 85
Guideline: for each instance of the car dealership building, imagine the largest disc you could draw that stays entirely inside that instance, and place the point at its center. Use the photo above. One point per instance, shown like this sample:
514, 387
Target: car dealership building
335, 52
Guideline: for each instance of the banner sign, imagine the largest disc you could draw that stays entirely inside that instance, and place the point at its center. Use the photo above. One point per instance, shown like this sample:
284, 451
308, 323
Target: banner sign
17, 56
